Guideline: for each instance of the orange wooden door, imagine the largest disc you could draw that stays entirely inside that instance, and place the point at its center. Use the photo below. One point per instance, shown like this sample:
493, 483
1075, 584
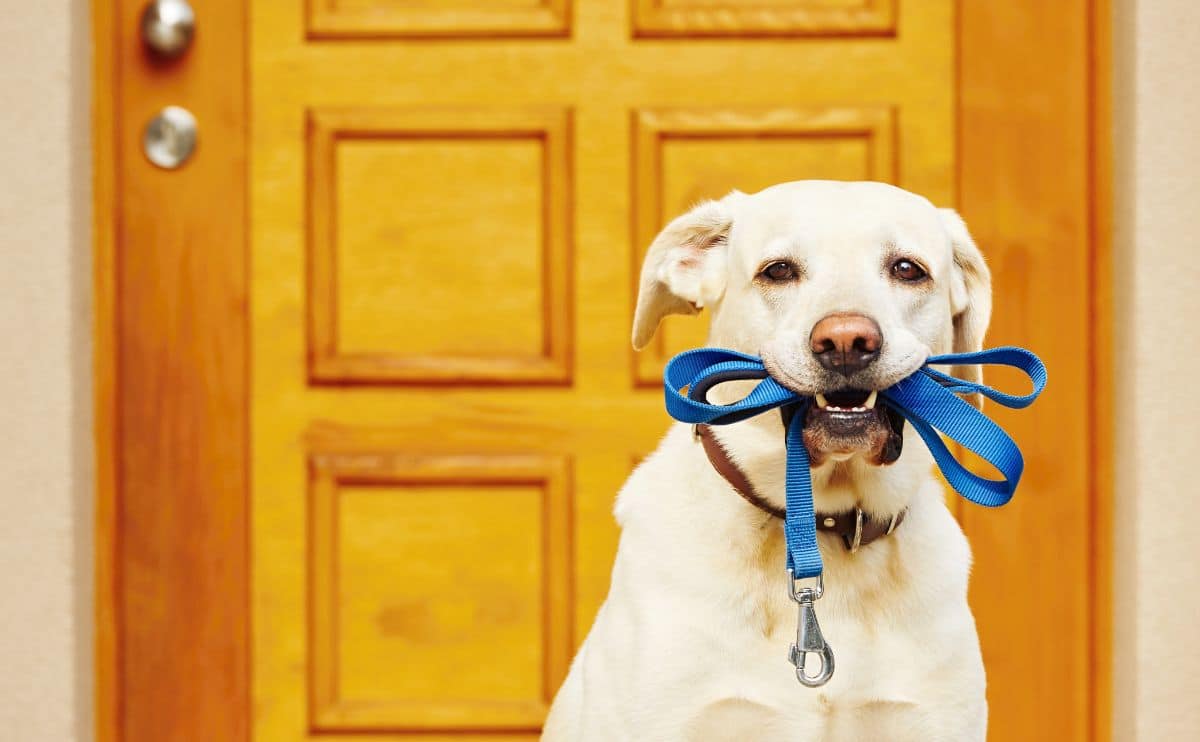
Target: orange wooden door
447, 205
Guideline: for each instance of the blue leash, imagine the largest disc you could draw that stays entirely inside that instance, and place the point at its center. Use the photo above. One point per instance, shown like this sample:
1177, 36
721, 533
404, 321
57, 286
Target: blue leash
928, 400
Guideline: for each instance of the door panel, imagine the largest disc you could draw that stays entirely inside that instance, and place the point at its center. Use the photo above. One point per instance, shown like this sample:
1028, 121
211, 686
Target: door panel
439, 586
387, 242
330, 19
683, 155
694, 18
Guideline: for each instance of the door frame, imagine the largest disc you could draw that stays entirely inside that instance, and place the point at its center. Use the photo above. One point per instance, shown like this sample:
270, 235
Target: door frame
144, 661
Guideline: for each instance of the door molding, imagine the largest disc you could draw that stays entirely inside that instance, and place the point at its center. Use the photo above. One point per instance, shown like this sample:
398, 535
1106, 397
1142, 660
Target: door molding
172, 415
1100, 202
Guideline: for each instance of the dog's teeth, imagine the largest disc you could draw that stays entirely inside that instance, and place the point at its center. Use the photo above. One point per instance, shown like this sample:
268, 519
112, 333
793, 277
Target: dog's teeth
821, 402
870, 403
860, 409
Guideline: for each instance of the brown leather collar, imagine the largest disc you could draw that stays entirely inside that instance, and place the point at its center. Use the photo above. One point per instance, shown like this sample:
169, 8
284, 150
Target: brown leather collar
856, 527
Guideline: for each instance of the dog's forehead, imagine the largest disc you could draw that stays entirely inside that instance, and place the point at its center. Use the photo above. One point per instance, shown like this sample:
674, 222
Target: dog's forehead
811, 211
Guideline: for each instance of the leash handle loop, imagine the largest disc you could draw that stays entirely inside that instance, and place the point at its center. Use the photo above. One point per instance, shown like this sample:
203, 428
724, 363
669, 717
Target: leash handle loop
1008, 355
701, 369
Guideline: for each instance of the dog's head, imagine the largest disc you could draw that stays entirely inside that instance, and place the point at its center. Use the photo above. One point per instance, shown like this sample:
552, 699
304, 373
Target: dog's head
842, 288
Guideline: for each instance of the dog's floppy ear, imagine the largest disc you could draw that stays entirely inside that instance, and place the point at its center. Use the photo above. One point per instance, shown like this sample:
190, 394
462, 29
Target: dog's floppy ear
684, 268
970, 295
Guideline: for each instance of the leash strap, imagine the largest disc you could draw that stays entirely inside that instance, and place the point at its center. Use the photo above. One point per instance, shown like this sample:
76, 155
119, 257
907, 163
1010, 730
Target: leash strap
928, 400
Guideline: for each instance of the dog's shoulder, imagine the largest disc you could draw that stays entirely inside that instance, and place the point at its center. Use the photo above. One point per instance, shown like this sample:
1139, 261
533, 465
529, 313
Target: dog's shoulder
649, 492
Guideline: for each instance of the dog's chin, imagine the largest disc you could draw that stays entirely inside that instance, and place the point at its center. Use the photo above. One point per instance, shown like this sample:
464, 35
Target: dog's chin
845, 424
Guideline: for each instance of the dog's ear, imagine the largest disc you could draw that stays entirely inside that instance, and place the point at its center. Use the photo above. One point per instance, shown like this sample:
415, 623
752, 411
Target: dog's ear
970, 296
684, 268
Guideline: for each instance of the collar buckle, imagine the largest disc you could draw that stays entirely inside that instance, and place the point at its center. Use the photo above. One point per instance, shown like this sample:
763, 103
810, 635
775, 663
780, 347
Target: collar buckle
858, 530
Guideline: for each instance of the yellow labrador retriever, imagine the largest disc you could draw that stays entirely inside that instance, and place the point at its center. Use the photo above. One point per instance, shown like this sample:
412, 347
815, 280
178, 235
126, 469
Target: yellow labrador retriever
843, 289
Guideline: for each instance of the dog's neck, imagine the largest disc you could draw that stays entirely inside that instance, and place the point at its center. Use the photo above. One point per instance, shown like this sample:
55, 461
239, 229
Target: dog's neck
756, 446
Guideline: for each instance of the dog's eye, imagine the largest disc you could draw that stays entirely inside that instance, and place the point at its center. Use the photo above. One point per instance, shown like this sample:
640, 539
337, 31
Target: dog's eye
907, 270
779, 271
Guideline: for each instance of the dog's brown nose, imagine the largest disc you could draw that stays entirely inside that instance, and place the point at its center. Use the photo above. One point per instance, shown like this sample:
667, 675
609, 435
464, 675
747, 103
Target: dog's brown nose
846, 343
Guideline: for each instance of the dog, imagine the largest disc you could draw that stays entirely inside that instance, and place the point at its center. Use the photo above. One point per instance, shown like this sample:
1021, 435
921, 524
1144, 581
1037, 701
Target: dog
843, 289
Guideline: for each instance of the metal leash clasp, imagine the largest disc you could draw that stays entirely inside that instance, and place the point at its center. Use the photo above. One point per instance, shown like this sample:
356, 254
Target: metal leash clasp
808, 634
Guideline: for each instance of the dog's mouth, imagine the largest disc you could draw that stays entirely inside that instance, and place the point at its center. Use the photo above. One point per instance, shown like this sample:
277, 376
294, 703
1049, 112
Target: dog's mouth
848, 422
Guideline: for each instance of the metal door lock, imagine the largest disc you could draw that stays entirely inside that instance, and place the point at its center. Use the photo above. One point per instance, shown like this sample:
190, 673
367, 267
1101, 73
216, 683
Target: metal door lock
170, 137
168, 27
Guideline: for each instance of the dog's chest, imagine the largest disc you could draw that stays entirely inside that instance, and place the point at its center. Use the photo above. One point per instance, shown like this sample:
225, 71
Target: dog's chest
873, 693
875, 684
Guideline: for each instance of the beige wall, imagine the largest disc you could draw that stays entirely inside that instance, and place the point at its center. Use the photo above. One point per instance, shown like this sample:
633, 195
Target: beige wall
1157, 303
45, 432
